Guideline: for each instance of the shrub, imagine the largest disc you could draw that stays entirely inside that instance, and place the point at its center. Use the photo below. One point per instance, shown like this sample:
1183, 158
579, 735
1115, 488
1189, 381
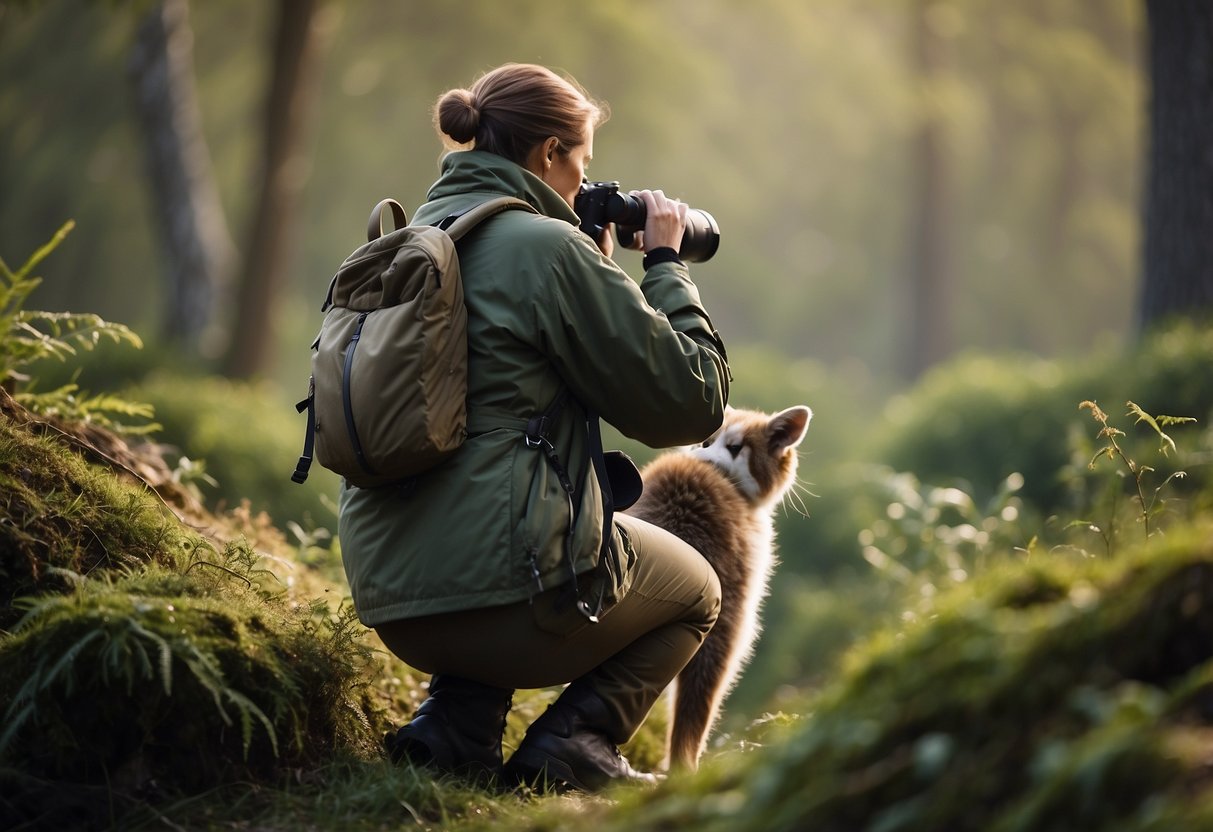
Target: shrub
977, 420
249, 438
151, 659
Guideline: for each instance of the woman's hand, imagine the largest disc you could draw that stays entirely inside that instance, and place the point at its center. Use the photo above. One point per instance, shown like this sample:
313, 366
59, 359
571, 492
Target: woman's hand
665, 222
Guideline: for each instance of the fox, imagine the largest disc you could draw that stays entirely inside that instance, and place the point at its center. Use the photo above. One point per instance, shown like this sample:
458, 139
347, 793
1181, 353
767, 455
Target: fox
720, 497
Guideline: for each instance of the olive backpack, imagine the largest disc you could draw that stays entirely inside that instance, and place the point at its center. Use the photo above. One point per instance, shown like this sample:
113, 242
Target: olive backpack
387, 394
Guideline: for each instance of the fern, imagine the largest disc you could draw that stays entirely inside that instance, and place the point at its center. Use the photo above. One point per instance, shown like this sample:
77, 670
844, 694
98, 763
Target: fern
1113, 450
1157, 423
69, 404
28, 336
122, 644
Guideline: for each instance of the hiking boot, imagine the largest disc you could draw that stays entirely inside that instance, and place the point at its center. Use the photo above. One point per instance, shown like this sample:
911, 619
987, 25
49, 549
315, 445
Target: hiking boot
569, 747
457, 730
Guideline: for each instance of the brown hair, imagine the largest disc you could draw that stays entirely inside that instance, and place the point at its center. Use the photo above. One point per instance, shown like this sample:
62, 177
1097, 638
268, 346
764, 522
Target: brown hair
511, 109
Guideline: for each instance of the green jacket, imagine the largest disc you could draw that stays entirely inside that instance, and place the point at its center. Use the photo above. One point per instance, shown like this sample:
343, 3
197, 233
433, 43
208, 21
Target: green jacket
546, 310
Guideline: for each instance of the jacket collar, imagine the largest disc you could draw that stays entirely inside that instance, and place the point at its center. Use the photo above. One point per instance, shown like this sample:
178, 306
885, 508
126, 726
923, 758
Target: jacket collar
467, 172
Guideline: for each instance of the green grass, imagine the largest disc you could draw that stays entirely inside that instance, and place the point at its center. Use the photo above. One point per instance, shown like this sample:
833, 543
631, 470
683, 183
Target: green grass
152, 668
206, 674
1074, 694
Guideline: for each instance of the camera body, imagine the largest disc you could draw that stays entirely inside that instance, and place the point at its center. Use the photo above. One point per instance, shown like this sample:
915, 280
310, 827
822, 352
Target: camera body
600, 203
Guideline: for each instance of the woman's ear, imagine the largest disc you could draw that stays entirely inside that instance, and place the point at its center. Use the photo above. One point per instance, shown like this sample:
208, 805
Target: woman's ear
550, 144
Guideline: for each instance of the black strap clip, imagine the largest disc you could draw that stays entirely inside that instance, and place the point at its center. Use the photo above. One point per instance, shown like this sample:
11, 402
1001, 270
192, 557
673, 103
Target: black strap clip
309, 440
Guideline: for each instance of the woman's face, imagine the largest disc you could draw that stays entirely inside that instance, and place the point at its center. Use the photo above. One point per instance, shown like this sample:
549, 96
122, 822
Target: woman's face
564, 172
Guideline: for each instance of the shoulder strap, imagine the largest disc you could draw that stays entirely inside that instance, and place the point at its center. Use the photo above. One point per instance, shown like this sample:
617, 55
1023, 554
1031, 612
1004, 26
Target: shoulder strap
455, 225
461, 222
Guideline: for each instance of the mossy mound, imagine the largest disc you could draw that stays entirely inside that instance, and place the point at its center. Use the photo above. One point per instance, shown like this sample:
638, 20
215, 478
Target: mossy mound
144, 657
59, 513
1058, 696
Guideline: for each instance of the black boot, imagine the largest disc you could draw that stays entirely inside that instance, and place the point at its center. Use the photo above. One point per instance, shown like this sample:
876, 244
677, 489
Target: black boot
457, 730
569, 747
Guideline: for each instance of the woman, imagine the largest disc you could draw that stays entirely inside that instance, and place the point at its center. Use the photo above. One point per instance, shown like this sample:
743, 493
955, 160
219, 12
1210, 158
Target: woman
484, 571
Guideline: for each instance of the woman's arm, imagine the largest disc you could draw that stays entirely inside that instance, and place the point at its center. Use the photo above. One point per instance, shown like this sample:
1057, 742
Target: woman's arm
646, 358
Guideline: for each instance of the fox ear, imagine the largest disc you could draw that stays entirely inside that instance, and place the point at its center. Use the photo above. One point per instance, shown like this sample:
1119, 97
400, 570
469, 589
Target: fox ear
786, 429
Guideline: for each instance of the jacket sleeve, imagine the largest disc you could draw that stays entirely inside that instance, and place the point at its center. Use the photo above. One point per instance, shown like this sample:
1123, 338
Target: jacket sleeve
646, 358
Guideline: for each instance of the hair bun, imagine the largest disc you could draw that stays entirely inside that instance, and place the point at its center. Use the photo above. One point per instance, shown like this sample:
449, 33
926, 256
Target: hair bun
458, 116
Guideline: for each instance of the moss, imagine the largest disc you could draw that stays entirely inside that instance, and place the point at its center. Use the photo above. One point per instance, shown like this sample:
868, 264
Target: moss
59, 514
1071, 695
146, 659
166, 694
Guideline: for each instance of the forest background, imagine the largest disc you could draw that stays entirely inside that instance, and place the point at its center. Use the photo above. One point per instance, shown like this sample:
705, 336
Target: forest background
898, 184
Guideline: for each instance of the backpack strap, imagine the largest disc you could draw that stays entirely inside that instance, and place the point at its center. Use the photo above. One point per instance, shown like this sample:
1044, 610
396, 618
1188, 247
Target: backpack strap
458, 224
309, 439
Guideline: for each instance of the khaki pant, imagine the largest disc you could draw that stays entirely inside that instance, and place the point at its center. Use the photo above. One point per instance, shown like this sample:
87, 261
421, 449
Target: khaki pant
628, 657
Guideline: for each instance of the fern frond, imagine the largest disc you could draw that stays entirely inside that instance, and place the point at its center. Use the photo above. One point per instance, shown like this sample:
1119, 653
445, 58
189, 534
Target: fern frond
70, 405
165, 657
1142, 416
249, 710
24, 702
84, 329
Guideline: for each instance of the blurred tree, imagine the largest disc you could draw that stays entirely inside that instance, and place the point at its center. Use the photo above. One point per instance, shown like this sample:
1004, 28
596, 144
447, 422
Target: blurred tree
196, 243
1177, 274
199, 248
928, 288
299, 42
790, 120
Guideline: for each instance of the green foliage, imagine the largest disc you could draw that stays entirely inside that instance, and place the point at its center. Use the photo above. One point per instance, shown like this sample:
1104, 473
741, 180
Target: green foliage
979, 419
200, 676
29, 336
250, 439
1062, 695
150, 661
1138, 472
938, 532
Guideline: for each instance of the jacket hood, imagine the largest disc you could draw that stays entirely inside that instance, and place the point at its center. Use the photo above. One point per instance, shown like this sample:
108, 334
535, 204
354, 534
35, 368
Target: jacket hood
476, 171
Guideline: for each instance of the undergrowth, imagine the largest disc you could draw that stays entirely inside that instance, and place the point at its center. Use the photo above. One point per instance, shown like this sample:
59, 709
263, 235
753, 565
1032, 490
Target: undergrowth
160, 667
1070, 694
144, 659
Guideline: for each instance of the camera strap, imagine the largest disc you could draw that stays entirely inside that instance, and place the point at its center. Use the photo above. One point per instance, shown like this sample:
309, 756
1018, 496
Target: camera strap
537, 430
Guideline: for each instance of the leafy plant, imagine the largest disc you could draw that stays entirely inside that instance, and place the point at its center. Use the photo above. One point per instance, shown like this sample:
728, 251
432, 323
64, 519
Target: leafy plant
188, 473
1138, 472
934, 534
27, 336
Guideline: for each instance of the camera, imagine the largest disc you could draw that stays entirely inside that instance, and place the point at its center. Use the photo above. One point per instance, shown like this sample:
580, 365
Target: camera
599, 203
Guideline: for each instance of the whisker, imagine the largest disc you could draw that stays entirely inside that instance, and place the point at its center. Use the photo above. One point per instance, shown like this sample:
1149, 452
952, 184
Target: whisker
797, 504
796, 500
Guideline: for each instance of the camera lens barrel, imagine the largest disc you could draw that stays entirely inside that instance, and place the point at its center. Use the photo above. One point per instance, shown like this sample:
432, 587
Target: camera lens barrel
601, 203
700, 240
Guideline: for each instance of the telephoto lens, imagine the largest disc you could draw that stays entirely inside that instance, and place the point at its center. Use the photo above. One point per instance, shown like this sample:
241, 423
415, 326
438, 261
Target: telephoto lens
600, 203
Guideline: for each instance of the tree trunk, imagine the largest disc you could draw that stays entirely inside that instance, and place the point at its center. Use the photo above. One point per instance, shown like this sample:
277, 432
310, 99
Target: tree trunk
195, 236
298, 46
928, 285
1177, 269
